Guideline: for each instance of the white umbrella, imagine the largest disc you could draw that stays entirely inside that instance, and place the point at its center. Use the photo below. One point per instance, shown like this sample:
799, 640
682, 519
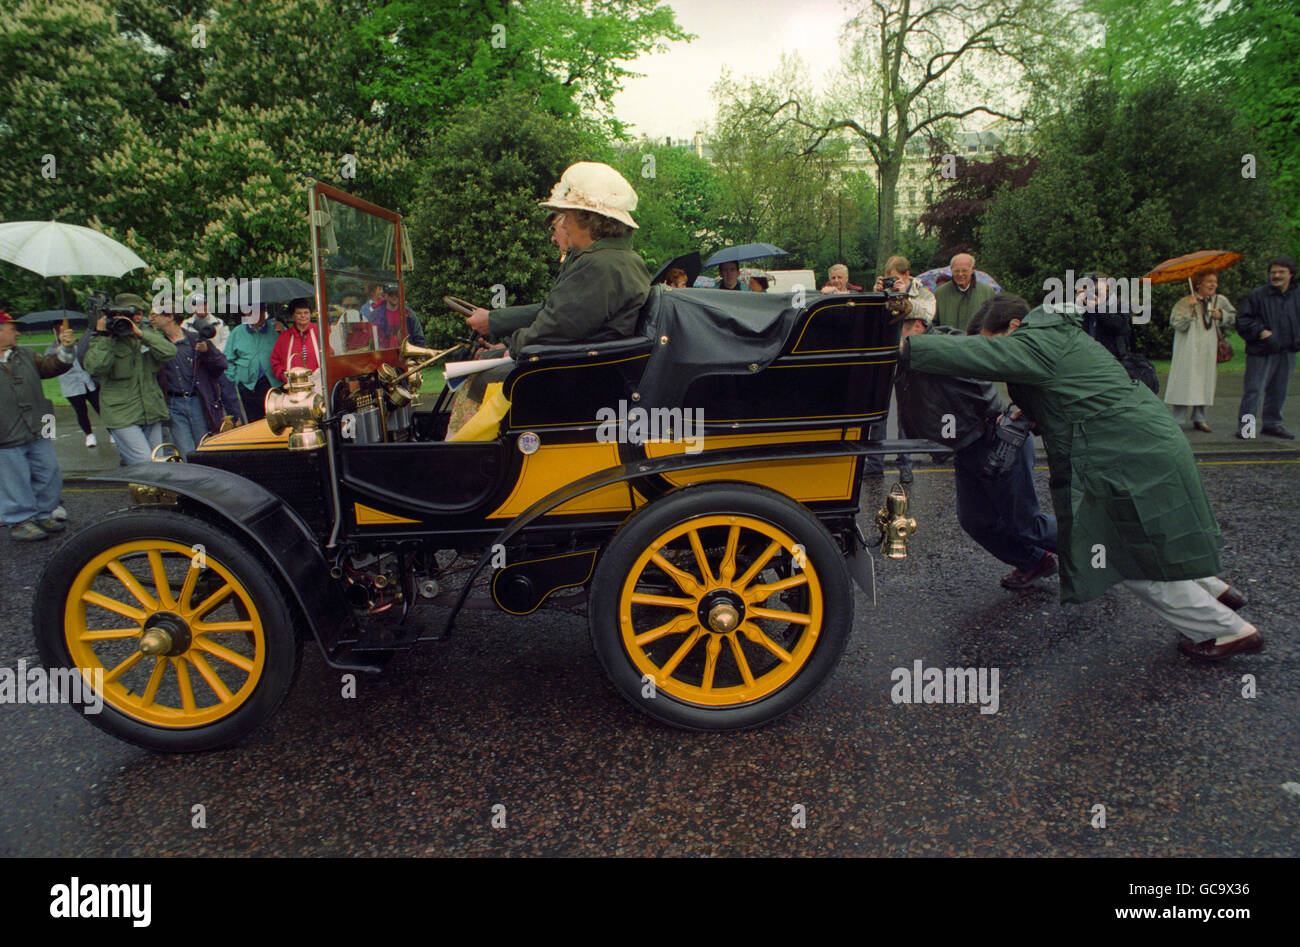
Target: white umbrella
54, 249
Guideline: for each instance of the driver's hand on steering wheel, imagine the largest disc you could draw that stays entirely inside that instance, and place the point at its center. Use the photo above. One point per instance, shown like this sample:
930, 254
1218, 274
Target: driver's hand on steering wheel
478, 321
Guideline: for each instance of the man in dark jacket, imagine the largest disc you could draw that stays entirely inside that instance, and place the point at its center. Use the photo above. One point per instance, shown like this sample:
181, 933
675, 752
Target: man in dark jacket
1269, 321
189, 382
1001, 514
30, 480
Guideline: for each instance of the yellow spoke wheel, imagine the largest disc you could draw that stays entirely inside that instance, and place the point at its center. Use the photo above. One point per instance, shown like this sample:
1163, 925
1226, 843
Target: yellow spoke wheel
720, 606
176, 658
181, 627
716, 639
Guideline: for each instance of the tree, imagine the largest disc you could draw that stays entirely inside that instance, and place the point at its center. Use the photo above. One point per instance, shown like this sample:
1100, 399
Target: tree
426, 60
772, 188
1243, 47
1127, 180
955, 215
677, 195
909, 68
476, 223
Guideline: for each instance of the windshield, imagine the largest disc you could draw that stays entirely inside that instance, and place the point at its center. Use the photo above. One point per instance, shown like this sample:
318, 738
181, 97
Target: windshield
357, 248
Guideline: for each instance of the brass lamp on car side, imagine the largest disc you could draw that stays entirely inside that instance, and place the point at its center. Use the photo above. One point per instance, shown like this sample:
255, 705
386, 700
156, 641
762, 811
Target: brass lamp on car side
298, 407
894, 524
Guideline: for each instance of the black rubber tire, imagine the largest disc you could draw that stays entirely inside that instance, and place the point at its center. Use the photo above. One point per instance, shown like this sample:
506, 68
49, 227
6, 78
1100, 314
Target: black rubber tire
283, 642
712, 499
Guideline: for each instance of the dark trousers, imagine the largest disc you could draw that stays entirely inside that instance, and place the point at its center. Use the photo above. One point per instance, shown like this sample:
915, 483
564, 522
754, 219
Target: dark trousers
255, 401
879, 432
1269, 376
78, 403
1003, 515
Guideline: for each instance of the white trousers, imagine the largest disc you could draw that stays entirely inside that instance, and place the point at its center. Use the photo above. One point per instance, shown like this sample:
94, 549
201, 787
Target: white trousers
1191, 606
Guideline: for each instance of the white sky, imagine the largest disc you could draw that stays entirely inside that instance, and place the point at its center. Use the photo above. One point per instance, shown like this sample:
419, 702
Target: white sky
745, 36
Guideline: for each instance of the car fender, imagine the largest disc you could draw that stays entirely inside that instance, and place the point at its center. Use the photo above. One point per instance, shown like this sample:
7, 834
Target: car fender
268, 523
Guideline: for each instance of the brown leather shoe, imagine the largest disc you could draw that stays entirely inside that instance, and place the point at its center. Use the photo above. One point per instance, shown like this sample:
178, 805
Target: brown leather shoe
1233, 597
1202, 427
1209, 651
1023, 580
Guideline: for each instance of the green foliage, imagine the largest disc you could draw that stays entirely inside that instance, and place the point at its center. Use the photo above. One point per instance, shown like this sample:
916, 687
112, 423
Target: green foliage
426, 60
677, 195
1127, 181
476, 222
1245, 48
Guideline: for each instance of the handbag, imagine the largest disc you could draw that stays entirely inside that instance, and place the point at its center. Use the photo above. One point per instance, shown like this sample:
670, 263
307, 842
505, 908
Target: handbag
1225, 348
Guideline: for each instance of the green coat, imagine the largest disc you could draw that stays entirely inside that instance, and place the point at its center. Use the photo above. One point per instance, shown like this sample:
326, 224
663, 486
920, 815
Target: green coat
128, 377
1122, 473
596, 298
954, 308
504, 322
23, 405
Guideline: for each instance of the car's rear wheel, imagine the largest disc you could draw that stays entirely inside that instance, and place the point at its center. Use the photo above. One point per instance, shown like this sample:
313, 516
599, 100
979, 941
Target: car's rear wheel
720, 607
180, 625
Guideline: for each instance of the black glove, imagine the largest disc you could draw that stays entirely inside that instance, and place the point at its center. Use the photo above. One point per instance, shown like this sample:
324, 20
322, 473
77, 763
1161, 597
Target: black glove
1007, 439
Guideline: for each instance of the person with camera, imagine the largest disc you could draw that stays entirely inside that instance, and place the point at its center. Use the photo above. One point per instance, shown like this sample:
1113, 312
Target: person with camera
1130, 504
190, 381
30, 479
997, 505
202, 322
897, 278
125, 356
79, 390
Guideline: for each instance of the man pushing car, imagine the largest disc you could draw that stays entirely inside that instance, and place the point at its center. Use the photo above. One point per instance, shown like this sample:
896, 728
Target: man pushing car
1130, 505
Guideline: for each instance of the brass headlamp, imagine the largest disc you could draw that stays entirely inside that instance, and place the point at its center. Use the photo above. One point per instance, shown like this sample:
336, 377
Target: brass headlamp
894, 524
297, 406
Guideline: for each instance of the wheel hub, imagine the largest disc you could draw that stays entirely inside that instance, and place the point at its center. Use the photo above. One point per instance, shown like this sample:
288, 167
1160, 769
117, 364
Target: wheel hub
166, 634
721, 611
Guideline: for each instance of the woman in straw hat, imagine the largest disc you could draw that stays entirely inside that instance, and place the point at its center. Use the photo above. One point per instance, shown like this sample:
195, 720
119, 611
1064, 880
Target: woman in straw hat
596, 297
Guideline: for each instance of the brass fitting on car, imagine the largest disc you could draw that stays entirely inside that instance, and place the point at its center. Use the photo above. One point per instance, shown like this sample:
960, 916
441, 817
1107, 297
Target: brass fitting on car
894, 524
297, 407
399, 394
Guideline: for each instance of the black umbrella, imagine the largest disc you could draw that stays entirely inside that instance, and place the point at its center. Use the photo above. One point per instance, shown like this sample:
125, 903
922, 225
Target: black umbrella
281, 289
48, 317
746, 251
687, 262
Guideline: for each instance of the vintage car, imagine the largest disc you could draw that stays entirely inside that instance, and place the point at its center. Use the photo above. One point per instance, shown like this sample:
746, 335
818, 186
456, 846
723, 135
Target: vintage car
696, 485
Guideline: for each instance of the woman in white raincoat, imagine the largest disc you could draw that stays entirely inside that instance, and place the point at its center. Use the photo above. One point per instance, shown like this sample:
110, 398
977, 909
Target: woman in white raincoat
1194, 370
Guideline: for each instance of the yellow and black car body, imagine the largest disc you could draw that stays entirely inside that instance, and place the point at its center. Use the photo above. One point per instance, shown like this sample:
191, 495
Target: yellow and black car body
697, 485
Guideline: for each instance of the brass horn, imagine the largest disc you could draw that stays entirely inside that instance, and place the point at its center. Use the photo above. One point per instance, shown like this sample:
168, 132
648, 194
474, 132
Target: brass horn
409, 353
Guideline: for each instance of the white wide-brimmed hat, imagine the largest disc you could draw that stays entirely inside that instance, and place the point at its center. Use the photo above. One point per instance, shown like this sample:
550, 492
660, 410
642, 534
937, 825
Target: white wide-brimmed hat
595, 187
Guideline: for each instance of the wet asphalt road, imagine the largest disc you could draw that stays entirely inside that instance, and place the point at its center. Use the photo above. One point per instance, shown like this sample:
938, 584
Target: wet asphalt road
1096, 707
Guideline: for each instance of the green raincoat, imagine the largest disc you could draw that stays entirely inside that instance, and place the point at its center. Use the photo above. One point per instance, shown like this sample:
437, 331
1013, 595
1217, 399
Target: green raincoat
1129, 501
127, 372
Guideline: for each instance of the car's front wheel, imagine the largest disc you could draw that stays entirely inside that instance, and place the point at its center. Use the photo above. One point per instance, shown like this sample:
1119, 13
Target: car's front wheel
179, 627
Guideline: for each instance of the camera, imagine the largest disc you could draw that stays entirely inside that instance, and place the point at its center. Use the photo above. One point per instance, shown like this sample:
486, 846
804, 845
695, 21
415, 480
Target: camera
121, 323
887, 283
205, 328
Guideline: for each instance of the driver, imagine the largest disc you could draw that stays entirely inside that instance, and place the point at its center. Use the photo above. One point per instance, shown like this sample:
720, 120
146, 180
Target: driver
596, 297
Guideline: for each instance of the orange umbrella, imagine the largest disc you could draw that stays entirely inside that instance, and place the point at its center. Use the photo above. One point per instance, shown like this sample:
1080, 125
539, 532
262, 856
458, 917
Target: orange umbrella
1182, 267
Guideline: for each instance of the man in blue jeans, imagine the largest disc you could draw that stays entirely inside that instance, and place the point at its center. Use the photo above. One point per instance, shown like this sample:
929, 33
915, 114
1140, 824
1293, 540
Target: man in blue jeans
1000, 514
1269, 321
